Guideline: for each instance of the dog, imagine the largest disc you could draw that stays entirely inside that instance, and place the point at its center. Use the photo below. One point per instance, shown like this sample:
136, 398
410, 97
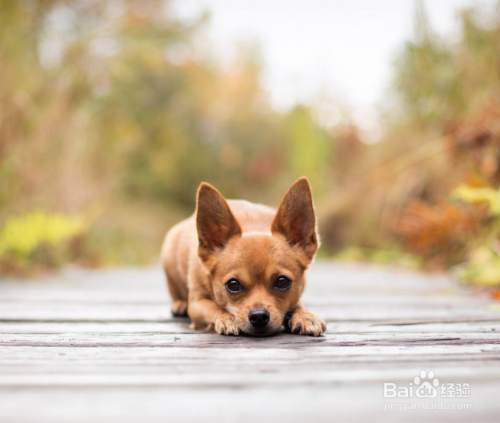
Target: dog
239, 268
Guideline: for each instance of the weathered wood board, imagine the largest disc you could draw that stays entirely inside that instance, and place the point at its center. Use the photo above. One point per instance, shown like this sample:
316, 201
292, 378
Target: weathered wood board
101, 346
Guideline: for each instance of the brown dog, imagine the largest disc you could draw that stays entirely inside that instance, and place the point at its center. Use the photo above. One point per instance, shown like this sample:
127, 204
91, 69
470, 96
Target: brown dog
238, 267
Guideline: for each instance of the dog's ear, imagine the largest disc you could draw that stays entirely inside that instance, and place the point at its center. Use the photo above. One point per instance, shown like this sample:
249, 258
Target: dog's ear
215, 222
295, 218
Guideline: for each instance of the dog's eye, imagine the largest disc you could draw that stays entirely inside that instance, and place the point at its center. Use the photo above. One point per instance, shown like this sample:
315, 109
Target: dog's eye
233, 286
282, 283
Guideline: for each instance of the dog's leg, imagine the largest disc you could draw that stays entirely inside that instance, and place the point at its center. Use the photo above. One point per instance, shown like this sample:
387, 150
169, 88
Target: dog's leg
176, 280
304, 323
178, 293
205, 314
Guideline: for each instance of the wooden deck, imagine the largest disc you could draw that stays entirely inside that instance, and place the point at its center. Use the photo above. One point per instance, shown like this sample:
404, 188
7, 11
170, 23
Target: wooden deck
102, 346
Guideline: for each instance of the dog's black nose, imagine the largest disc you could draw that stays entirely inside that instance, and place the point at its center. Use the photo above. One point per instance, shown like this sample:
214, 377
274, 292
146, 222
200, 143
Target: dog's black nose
259, 317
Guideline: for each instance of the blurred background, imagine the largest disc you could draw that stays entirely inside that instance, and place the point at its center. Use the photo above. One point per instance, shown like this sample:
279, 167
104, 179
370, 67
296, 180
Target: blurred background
113, 111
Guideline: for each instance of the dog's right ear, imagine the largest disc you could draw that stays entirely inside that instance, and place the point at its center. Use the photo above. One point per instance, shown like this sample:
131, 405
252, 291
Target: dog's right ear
295, 218
215, 222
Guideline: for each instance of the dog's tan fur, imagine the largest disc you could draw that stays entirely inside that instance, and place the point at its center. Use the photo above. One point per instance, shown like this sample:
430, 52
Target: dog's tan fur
252, 243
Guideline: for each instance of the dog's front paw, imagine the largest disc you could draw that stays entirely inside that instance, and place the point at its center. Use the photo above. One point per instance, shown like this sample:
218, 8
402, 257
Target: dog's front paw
305, 323
179, 308
225, 325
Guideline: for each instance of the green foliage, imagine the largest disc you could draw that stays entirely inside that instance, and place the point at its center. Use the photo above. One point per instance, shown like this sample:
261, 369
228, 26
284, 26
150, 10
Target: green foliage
379, 256
36, 239
483, 264
436, 81
489, 196
21, 235
482, 268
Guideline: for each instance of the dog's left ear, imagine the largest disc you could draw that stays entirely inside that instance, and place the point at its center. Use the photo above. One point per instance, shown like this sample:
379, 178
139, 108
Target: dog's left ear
295, 218
215, 222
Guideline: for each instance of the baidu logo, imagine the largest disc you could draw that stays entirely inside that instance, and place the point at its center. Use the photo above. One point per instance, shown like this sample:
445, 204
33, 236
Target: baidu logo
427, 385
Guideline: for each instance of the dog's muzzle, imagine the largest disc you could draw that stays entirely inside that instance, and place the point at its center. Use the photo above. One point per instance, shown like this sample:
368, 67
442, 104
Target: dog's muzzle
259, 317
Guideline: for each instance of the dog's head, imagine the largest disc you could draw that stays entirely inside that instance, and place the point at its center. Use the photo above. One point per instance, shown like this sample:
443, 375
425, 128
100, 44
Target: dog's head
258, 277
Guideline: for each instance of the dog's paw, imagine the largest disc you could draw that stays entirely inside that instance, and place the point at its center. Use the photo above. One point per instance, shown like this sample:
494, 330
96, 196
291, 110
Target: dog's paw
305, 323
225, 325
179, 308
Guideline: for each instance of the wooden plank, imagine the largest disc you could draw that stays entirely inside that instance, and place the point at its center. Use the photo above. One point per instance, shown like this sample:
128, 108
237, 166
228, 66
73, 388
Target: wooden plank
294, 404
61, 360
204, 340
208, 378
182, 326
60, 354
68, 311
221, 351
102, 346
284, 364
171, 326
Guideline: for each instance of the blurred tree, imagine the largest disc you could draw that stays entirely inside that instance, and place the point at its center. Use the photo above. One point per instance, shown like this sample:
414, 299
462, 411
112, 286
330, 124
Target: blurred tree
115, 106
441, 128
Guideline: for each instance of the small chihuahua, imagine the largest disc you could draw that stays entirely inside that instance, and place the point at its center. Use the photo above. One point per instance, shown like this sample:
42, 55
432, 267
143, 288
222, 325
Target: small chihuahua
238, 267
